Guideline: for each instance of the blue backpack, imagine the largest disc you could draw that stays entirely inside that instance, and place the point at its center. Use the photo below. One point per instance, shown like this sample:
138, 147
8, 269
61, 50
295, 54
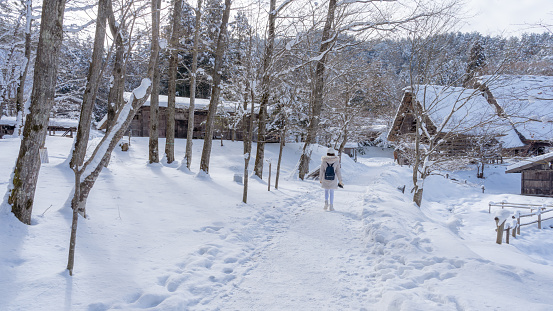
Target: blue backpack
329, 171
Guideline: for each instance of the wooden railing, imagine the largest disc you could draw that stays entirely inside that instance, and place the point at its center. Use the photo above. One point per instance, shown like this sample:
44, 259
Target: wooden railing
513, 228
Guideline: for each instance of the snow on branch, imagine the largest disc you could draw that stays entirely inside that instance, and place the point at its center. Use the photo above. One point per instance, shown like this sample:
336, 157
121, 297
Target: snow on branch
76, 28
345, 2
137, 98
282, 6
81, 8
382, 25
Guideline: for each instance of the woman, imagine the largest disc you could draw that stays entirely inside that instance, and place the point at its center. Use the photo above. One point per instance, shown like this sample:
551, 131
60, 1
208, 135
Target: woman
330, 177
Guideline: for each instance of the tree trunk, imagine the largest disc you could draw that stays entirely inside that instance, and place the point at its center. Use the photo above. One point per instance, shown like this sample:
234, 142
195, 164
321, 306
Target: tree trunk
343, 143
417, 197
42, 99
222, 129
317, 105
20, 98
216, 89
248, 131
154, 97
74, 222
417, 193
172, 83
247, 121
282, 142
83, 131
89, 96
115, 96
262, 121
190, 130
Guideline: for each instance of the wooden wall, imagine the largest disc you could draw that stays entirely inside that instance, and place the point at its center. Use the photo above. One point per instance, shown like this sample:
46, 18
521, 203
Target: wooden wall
537, 182
140, 125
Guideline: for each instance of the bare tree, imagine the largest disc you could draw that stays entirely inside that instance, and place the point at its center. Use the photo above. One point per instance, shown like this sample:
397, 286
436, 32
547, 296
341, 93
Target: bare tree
115, 96
23, 184
20, 98
262, 118
317, 96
193, 76
154, 97
172, 84
216, 89
90, 170
83, 131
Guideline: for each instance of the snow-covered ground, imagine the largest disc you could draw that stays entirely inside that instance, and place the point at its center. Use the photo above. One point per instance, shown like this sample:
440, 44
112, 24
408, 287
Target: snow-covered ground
159, 238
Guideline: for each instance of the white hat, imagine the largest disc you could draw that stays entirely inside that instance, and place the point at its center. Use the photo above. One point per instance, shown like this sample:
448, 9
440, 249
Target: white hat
331, 151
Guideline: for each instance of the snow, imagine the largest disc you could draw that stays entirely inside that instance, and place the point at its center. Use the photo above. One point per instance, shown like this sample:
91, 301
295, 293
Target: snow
51, 122
524, 97
162, 239
184, 102
468, 109
141, 90
517, 167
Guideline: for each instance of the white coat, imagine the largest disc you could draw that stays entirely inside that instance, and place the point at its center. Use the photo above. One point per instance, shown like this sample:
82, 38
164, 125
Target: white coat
330, 184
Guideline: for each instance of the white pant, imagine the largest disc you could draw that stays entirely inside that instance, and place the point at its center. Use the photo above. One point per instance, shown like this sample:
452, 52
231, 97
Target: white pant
329, 192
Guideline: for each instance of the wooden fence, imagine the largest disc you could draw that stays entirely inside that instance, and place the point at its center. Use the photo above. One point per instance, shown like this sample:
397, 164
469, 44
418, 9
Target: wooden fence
513, 228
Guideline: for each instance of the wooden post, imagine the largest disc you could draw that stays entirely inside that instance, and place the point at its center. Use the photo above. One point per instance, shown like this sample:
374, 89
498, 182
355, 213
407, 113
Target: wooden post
539, 221
514, 228
499, 230
507, 236
518, 224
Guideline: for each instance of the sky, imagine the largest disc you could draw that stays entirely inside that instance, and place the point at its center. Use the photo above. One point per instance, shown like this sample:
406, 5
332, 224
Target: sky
508, 17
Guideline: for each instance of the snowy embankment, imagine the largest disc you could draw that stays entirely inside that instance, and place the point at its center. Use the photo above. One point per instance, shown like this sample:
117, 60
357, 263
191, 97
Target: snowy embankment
162, 239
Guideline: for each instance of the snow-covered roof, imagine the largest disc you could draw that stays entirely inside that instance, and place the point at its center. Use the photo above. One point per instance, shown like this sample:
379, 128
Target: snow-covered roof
527, 101
51, 122
351, 145
7, 121
511, 140
184, 102
470, 108
524, 164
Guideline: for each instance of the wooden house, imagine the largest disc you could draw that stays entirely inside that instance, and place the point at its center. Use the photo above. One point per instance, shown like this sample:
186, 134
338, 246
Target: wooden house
351, 150
536, 175
65, 127
140, 125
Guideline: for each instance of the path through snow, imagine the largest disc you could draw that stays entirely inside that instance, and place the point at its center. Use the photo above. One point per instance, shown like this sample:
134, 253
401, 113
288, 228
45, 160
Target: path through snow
317, 263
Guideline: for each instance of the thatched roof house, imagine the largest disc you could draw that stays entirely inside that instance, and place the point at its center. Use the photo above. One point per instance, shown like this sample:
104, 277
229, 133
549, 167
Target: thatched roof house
527, 103
456, 114
516, 110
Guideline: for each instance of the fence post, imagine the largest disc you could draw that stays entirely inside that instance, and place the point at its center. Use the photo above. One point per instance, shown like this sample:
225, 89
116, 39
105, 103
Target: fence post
508, 233
500, 229
538, 212
518, 222
490, 207
515, 227
269, 180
